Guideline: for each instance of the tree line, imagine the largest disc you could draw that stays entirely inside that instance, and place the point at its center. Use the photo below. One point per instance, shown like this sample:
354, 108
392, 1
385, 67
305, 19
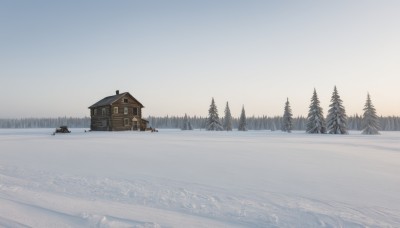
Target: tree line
387, 123
336, 121
73, 122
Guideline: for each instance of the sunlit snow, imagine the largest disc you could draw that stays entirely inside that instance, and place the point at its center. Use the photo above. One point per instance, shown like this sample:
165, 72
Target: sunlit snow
198, 179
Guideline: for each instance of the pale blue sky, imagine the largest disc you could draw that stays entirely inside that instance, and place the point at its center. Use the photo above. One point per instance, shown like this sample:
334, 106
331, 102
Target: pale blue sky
59, 57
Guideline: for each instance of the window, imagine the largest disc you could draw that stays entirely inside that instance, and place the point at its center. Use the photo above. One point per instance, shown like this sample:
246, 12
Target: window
125, 111
126, 122
95, 111
135, 111
103, 111
115, 110
135, 125
125, 100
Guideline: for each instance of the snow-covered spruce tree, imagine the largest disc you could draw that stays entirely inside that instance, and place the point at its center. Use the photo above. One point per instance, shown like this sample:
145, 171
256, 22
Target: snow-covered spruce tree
213, 123
185, 123
315, 120
190, 127
273, 126
287, 123
228, 118
337, 119
370, 120
242, 121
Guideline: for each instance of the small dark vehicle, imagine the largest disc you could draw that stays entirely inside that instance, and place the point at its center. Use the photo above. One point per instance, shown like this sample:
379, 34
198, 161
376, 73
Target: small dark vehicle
62, 129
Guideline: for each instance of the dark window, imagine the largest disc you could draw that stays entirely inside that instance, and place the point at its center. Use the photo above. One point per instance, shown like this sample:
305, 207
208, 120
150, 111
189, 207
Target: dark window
125, 100
135, 111
126, 122
103, 111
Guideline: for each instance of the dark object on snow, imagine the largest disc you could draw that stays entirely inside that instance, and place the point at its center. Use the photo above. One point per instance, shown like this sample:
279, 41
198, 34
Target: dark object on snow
151, 129
62, 129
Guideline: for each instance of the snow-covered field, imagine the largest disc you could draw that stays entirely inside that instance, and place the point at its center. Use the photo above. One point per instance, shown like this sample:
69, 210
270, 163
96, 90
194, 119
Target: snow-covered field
198, 179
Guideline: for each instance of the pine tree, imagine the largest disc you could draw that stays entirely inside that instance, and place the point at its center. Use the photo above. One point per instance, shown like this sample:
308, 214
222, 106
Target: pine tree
287, 118
337, 119
273, 126
185, 123
228, 118
213, 123
242, 121
315, 120
370, 119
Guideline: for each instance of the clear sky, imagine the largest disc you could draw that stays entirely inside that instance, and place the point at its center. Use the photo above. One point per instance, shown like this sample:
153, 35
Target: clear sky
59, 57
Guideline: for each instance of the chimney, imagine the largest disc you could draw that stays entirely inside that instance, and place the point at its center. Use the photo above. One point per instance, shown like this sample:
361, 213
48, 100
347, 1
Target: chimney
117, 92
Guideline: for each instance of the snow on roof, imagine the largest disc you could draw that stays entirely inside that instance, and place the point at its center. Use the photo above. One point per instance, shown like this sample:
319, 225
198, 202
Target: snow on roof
111, 99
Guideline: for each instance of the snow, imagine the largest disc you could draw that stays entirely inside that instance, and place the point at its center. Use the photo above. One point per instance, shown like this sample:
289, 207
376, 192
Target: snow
198, 179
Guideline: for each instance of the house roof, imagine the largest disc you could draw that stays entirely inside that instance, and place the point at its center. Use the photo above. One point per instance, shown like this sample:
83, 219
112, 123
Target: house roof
111, 99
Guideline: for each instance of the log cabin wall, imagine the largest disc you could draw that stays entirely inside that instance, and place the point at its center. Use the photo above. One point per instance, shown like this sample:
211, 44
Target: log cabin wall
127, 108
100, 119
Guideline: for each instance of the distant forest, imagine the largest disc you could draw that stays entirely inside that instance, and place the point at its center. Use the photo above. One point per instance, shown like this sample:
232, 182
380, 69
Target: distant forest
45, 122
391, 123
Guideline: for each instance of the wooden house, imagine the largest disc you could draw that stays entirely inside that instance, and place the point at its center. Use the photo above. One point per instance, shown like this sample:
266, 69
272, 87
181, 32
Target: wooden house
120, 112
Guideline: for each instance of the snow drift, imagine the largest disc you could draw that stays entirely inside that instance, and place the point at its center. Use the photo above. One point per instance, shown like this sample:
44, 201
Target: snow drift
198, 179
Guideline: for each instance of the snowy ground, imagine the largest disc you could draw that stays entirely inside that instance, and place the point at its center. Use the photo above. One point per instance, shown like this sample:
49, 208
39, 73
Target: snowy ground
198, 179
